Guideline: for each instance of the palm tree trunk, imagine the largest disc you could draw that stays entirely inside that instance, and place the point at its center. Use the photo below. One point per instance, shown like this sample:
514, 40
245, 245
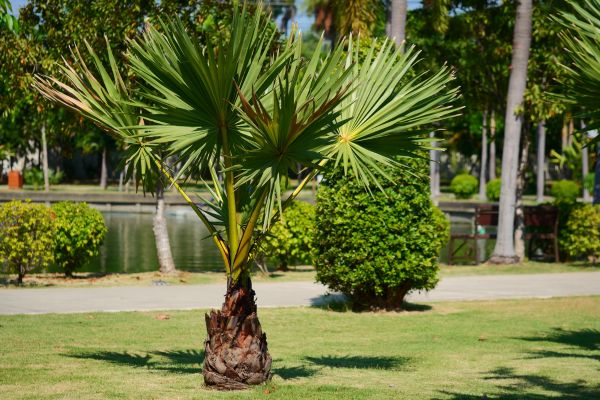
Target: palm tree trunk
519, 215
398, 22
504, 252
596, 200
161, 235
541, 160
45, 160
492, 173
585, 167
484, 156
434, 171
103, 170
236, 353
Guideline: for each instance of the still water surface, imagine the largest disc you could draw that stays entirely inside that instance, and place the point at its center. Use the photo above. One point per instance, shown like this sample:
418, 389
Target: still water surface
129, 245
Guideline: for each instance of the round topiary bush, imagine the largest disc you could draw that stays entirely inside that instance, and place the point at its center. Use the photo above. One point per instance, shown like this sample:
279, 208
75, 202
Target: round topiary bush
376, 247
581, 236
290, 239
565, 191
492, 189
80, 230
464, 186
26, 237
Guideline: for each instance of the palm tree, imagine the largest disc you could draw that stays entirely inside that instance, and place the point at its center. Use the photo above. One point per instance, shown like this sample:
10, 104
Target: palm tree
398, 21
582, 79
504, 252
257, 116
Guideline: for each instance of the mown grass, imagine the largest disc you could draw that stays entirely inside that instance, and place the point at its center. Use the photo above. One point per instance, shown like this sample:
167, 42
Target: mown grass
534, 349
527, 267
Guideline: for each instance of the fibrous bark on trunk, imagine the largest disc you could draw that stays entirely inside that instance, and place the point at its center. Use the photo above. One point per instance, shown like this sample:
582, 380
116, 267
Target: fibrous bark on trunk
236, 354
504, 252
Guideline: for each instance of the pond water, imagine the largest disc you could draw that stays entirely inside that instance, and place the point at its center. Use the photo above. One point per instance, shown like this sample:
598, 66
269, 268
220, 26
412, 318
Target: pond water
129, 244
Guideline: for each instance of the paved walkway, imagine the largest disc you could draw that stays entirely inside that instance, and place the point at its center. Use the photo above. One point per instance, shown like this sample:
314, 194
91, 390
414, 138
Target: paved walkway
285, 294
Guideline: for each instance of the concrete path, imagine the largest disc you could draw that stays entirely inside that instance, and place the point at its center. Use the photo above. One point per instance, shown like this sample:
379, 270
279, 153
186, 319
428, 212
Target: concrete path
285, 294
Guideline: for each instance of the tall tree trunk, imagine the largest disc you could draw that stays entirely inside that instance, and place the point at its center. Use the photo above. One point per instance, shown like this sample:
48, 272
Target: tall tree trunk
434, 170
541, 160
564, 134
519, 215
121, 178
504, 252
596, 200
398, 22
585, 167
492, 174
484, 156
103, 170
236, 353
161, 235
45, 160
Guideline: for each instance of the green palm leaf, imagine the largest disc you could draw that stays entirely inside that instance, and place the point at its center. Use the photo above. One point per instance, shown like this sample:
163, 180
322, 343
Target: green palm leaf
583, 44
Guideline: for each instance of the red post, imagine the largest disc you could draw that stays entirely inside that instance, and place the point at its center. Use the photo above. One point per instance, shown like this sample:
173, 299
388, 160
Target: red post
15, 180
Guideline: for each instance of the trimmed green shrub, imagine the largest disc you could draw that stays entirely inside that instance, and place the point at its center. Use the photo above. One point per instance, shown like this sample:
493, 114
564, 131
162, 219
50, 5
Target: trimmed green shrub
35, 177
588, 182
464, 186
376, 247
80, 230
26, 237
565, 191
581, 236
290, 240
492, 189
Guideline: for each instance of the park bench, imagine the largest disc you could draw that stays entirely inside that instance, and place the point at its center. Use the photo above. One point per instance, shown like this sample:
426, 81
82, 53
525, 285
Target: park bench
541, 234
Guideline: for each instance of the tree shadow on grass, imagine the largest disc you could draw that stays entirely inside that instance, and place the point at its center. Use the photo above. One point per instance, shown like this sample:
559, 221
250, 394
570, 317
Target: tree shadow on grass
521, 386
584, 343
177, 361
300, 371
339, 303
360, 362
585, 339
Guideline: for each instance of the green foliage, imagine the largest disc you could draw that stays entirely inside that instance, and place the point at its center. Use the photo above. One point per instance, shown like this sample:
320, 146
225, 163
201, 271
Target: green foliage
464, 186
375, 247
588, 182
565, 191
580, 37
254, 115
290, 239
35, 177
26, 237
80, 230
581, 236
492, 189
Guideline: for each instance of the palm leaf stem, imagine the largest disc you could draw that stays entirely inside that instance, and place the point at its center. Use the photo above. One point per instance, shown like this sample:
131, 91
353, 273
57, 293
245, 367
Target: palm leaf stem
221, 245
232, 230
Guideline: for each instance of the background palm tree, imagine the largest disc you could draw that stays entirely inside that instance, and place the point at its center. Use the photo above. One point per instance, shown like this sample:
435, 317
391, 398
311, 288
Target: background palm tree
504, 252
255, 116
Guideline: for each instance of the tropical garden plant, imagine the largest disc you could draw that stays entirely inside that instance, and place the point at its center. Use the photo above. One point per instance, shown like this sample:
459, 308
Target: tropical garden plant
239, 109
582, 79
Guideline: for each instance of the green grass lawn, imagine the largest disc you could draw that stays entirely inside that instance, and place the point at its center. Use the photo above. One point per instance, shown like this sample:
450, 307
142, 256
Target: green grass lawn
534, 349
527, 267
